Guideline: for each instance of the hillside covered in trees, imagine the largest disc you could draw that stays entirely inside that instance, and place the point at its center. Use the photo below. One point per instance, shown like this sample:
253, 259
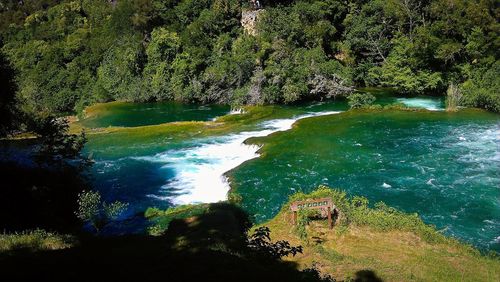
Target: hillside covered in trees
69, 54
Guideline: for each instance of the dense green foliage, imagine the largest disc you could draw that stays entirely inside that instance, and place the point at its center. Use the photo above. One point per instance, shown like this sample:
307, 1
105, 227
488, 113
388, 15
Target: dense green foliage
69, 54
358, 100
356, 210
57, 147
80, 52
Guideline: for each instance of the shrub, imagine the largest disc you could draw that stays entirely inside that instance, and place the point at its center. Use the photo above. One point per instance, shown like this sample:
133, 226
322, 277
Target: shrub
357, 211
93, 210
260, 241
359, 100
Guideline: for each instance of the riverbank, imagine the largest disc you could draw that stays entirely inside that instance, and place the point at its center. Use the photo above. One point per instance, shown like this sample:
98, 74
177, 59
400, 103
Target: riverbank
389, 153
209, 242
393, 245
396, 246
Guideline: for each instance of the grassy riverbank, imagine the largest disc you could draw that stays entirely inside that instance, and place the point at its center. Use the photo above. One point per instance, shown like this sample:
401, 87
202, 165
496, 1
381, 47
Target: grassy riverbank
396, 246
209, 242
379, 240
249, 115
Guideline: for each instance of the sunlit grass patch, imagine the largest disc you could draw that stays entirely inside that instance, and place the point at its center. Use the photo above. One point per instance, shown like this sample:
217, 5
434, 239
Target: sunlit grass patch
397, 246
35, 240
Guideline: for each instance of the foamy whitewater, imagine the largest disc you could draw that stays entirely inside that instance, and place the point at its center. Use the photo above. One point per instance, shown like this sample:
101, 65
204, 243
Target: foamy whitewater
426, 103
199, 170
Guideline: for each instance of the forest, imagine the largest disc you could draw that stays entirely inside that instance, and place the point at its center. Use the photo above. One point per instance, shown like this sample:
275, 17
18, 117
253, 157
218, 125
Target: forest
62, 55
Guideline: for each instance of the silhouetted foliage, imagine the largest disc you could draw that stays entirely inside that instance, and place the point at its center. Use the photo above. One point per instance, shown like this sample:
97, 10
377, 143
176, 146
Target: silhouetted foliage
56, 146
46, 181
208, 247
8, 110
367, 276
260, 241
38, 197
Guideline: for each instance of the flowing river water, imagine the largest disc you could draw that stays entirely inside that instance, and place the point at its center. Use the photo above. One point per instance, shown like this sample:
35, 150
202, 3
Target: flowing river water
443, 166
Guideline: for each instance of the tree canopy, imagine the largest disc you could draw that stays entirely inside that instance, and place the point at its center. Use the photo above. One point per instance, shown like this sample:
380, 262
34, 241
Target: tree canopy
68, 54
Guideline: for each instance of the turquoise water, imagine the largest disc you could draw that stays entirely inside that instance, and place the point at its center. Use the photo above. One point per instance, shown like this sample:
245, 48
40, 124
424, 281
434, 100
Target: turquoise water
139, 114
445, 167
441, 165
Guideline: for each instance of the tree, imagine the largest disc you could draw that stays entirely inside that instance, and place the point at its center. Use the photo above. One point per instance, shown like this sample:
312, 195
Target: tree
359, 100
481, 87
404, 70
119, 72
70, 54
98, 213
161, 52
57, 147
8, 112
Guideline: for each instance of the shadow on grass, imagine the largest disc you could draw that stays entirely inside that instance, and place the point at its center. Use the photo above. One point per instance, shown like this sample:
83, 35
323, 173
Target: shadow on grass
367, 276
209, 247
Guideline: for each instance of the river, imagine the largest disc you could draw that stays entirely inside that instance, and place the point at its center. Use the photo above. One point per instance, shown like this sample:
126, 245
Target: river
443, 166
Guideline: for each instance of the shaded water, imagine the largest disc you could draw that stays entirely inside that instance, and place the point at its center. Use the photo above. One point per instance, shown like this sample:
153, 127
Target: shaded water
443, 166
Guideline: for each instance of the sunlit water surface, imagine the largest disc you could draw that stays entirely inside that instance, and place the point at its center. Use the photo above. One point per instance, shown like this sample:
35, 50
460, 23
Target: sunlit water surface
444, 166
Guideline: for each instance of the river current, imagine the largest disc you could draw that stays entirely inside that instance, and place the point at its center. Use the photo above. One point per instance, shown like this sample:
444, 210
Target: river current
443, 166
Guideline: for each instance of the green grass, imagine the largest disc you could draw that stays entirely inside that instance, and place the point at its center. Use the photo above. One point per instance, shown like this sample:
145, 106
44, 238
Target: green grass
161, 219
395, 245
356, 210
390, 245
36, 240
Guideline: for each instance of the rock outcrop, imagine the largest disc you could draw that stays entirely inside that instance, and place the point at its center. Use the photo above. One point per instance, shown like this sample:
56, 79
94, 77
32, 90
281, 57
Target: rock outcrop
249, 20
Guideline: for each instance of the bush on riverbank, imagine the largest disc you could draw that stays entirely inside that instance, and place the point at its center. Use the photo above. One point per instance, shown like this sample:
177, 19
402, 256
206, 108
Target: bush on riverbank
357, 211
382, 241
360, 100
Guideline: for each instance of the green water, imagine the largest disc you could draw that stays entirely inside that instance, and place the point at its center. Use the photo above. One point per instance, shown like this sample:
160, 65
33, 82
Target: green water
139, 114
444, 166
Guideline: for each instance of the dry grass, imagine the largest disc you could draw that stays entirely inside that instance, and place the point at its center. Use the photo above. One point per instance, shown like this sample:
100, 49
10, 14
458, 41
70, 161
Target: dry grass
36, 240
393, 255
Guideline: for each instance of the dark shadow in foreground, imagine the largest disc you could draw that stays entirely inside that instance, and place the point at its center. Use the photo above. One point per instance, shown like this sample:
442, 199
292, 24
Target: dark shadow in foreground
36, 197
210, 247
